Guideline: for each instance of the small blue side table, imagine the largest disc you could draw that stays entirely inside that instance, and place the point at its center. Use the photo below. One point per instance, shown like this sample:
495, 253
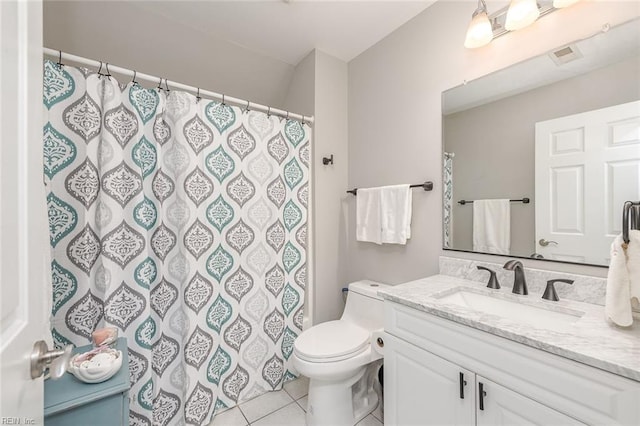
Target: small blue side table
69, 402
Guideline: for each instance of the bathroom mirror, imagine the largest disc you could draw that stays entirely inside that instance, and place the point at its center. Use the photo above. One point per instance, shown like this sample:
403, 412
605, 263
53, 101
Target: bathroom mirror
559, 136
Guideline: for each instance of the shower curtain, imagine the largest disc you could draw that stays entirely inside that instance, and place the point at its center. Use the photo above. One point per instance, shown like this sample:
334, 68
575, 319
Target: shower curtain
183, 223
447, 195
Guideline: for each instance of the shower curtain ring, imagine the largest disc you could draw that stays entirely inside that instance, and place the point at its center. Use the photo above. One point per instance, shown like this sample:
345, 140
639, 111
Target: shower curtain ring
108, 73
198, 95
166, 84
287, 115
100, 69
160, 84
223, 100
303, 121
248, 103
134, 77
59, 58
269, 111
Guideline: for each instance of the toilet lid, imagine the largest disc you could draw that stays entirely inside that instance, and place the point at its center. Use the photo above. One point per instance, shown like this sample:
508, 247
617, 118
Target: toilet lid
331, 340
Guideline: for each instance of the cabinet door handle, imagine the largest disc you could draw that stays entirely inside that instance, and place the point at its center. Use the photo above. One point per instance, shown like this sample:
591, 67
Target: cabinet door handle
482, 394
463, 383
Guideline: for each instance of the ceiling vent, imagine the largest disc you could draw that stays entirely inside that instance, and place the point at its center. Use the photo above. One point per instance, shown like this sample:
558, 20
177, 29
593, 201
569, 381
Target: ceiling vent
565, 54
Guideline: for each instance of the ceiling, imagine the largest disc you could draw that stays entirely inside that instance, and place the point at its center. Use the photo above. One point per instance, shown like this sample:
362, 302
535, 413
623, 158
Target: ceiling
287, 30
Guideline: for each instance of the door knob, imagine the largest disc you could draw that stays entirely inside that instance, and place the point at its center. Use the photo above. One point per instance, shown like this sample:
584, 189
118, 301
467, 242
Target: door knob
56, 360
545, 243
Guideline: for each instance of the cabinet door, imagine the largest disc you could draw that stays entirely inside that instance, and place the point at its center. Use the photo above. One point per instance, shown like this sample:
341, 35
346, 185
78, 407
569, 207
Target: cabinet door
499, 406
423, 389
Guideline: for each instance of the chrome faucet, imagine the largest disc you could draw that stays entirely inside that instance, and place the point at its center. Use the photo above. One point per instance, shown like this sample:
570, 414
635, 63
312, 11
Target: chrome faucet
519, 281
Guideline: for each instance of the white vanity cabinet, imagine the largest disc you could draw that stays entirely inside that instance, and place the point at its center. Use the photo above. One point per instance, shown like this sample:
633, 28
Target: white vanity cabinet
423, 389
427, 356
504, 407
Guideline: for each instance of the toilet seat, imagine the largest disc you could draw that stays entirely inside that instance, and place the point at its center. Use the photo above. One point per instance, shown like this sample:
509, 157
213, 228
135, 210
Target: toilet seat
331, 341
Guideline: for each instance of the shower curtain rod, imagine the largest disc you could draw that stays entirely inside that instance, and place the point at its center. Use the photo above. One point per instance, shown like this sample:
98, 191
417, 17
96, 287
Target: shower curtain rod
57, 54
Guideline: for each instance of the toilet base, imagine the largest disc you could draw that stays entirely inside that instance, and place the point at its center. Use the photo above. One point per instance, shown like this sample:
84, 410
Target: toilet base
344, 403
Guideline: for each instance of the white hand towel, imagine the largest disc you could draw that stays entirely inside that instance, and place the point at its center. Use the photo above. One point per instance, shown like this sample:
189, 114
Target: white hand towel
368, 223
633, 266
618, 297
492, 226
395, 201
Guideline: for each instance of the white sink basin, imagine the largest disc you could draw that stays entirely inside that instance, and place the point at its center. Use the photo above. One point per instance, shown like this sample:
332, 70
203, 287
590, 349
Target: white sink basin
541, 316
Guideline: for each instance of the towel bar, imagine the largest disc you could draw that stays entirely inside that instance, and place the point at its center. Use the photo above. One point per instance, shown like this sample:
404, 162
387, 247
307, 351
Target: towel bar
427, 186
522, 200
630, 213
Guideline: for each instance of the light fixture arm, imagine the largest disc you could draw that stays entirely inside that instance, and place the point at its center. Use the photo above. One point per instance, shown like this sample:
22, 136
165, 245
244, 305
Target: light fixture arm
482, 7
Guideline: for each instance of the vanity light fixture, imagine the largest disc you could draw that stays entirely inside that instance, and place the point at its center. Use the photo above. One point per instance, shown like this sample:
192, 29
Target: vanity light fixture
521, 13
485, 27
480, 31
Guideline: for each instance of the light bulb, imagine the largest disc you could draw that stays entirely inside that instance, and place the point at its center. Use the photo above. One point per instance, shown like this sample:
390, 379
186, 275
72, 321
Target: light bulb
559, 4
521, 13
479, 32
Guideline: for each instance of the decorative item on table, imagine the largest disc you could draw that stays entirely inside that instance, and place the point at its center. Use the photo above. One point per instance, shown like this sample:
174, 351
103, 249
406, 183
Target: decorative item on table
105, 336
96, 365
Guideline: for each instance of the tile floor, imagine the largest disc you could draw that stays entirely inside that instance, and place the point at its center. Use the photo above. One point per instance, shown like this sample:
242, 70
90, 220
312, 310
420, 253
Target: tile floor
282, 408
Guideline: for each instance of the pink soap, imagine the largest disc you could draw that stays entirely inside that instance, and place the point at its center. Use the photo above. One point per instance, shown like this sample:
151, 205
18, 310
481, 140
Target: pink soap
104, 336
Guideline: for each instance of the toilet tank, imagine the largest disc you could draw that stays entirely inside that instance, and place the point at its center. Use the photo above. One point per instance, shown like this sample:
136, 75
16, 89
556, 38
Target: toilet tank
364, 307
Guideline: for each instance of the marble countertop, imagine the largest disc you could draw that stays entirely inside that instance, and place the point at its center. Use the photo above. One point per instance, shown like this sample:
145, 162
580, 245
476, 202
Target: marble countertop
590, 339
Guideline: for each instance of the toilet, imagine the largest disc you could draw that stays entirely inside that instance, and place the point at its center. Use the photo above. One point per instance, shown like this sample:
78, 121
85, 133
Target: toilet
341, 359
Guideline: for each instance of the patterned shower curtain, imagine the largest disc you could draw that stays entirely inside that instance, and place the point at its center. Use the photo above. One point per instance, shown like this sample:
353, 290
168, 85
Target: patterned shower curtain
183, 223
447, 199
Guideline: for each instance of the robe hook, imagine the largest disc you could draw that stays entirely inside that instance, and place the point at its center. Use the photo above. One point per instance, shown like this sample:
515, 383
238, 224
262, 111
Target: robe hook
327, 160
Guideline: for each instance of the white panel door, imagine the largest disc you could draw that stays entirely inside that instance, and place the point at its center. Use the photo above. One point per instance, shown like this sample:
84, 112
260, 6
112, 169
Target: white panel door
24, 245
424, 389
499, 406
587, 166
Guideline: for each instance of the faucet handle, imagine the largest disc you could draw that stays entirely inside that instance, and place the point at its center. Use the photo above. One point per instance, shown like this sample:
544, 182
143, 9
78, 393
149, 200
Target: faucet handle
493, 280
550, 291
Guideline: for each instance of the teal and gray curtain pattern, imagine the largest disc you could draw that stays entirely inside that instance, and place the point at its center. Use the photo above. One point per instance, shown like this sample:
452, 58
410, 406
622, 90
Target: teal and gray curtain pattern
183, 223
447, 195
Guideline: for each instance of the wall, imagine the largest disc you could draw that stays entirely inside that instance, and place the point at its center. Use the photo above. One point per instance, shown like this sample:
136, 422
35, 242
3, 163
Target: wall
482, 137
300, 97
395, 117
329, 185
319, 87
125, 34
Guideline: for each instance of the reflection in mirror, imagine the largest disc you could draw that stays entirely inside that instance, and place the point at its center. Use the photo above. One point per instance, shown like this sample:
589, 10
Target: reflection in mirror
561, 130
